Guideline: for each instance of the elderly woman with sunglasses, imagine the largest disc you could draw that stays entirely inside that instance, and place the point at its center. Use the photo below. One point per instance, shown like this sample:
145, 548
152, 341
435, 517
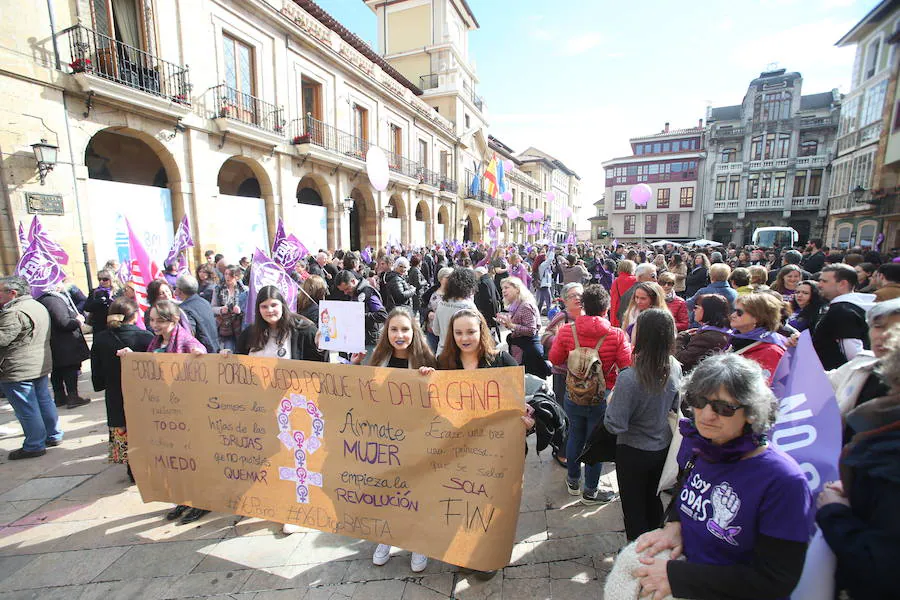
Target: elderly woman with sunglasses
755, 321
677, 305
743, 515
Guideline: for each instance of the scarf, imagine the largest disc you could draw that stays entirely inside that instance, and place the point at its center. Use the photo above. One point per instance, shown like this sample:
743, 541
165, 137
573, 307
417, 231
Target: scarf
729, 452
760, 334
670, 296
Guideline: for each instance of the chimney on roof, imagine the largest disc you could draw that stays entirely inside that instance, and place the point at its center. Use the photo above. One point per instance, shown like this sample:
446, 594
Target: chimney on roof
666, 130
700, 126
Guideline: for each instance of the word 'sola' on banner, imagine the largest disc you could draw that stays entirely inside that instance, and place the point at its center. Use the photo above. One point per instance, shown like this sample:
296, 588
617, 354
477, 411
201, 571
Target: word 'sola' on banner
376, 453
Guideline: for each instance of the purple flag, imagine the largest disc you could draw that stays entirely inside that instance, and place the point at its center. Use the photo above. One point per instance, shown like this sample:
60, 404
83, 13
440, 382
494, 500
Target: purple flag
40, 269
809, 420
263, 272
23, 239
366, 255
287, 249
36, 232
182, 242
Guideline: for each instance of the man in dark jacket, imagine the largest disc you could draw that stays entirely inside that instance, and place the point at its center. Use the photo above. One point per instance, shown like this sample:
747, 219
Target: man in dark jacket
360, 291
25, 362
816, 259
396, 290
199, 313
487, 298
842, 331
67, 346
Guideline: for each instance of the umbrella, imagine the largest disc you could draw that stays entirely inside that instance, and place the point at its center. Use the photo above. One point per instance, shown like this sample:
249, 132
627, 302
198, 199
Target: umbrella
664, 242
703, 243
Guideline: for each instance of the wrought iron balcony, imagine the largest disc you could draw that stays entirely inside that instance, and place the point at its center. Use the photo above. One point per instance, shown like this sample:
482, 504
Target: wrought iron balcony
447, 184
429, 82
312, 131
98, 55
248, 109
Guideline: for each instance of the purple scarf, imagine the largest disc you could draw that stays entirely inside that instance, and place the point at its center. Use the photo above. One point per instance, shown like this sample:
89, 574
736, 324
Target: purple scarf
724, 330
760, 334
729, 452
180, 342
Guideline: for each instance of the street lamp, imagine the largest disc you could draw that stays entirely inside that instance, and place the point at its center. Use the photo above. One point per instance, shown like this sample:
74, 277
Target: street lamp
45, 155
858, 193
348, 204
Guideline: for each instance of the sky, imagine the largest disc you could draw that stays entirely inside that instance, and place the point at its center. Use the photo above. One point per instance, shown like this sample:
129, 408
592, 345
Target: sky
578, 78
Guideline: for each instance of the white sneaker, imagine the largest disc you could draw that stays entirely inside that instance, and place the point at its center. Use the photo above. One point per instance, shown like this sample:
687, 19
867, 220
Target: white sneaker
289, 528
418, 562
382, 554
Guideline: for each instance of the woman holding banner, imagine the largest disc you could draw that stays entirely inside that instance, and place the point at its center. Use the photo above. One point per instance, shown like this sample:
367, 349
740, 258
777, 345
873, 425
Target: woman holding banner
402, 345
743, 514
277, 332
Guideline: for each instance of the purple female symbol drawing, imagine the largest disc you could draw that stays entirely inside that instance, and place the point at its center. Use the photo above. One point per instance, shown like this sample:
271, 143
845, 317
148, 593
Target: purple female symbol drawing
301, 443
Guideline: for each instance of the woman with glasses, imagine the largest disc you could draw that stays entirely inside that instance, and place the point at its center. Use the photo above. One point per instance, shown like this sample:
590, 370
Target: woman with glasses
677, 306
97, 305
743, 515
755, 321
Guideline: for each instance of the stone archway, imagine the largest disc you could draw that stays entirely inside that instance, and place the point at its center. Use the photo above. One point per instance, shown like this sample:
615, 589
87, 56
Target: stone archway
399, 216
127, 171
363, 220
472, 231
242, 224
422, 222
312, 214
444, 229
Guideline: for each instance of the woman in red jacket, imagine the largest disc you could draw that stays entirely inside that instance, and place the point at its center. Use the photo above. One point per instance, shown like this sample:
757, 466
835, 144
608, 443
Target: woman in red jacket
624, 280
677, 306
755, 321
615, 354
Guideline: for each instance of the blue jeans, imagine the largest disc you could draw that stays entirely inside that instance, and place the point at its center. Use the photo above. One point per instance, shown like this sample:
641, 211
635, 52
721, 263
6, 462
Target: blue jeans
582, 420
35, 410
543, 299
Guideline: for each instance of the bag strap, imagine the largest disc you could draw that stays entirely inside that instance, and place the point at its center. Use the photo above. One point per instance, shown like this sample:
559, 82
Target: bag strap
575, 336
745, 348
682, 477
599, 343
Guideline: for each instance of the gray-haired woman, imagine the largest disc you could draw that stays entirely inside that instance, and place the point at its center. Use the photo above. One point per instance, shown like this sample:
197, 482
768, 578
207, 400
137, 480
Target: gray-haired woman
743, 515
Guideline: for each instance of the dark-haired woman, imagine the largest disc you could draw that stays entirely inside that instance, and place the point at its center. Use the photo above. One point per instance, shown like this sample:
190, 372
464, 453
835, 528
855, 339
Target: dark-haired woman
402, 345
277, 332
106, 370
158, 289
638, 414
207, 280
808, 305
713, 335
229, 304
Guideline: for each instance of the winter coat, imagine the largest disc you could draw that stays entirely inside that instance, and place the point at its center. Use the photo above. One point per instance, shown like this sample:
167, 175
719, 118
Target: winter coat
229, 325
680, 273
106, 367
442, 315
814, 262
558, 321
487, 299
615, 353
716, 287
182, 341
678, 308
97, 305
67, 344
575, 274
303, 342
24, 340
848, 379
396, 291
622, 284
767, 355
203, 322
375, 313
416, 278
697, 278
887, 292
845, 319
865, 536
692, 346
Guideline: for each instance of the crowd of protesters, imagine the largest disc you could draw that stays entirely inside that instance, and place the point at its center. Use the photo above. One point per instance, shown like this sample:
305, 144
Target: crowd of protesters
669, 328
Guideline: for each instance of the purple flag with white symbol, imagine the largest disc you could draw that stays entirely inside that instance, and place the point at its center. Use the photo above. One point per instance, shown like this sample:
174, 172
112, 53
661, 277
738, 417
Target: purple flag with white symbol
36, 233
265, 271
23, 239
809, 420
40, 269
287, 249
182, 242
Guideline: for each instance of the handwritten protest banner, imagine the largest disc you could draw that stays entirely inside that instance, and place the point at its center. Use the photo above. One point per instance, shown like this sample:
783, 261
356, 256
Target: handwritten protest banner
430, 464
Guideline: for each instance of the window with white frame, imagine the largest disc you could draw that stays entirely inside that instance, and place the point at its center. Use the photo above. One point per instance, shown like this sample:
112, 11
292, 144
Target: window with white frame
874, 104
872, 59
866, 234
845, 236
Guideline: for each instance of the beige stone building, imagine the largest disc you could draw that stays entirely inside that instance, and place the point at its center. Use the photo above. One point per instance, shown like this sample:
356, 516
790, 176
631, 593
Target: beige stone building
236, 114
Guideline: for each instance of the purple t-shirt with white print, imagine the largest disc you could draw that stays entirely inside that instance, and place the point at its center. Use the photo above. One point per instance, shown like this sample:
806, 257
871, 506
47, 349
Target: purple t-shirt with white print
723, 507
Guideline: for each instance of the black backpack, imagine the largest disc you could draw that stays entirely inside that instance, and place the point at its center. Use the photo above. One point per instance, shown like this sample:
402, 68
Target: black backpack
551, 425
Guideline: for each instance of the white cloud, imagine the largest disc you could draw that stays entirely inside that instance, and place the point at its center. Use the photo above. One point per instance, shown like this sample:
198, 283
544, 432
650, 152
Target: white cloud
580, 44
543, 35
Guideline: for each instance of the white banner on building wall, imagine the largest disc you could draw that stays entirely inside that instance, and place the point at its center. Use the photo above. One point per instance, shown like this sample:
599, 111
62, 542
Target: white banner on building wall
438, 232
418, 233
313, 229
240, 226
147, 208
392, 231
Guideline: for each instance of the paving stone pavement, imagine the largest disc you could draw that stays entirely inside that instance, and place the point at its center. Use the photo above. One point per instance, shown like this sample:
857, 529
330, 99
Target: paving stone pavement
73, 527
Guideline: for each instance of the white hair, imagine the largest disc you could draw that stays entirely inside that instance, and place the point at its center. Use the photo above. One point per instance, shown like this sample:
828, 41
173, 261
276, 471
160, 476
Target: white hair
644, 269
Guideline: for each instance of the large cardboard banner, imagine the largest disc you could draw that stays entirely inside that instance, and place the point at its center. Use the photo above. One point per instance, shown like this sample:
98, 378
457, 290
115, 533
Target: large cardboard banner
431, 464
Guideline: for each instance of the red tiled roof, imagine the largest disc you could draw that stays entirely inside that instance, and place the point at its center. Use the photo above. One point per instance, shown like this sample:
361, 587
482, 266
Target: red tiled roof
358, 44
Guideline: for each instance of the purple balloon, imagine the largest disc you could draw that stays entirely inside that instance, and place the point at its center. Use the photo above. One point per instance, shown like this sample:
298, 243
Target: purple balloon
496, 221
551, 196
641, 194
528, 217
507, 195
513, 212
566, 212
538, 214
490, 211
507, 166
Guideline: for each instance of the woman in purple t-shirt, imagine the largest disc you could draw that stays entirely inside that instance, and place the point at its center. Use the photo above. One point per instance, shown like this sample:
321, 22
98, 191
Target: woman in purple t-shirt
743, 514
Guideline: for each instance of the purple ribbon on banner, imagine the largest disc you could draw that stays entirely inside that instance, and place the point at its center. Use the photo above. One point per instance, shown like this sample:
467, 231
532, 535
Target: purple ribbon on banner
287, 250
265, 271
809, 420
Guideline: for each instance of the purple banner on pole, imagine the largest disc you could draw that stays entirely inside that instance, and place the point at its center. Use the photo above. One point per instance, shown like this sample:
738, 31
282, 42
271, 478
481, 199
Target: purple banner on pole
37, 234
183, 240
809, 421
23, 239
40, 269
265, 271
287, 249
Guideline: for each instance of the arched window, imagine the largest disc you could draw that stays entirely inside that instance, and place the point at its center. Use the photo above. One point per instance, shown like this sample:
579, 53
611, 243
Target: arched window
845, 235
866, 235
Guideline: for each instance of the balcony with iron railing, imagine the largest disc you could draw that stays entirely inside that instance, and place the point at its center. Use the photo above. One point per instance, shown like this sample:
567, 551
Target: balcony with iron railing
108, 67
246, 114
481, 195
473, 97
429, 82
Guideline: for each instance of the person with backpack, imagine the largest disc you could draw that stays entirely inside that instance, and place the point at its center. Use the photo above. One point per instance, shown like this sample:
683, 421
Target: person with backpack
638, 413
592, 351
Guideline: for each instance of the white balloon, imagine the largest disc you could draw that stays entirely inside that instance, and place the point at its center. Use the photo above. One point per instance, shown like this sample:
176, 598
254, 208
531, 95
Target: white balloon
377, 168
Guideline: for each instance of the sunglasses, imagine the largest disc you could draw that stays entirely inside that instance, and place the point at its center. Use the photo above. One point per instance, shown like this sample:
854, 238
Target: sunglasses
104, 279
738, 311
720, 407
667, 283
